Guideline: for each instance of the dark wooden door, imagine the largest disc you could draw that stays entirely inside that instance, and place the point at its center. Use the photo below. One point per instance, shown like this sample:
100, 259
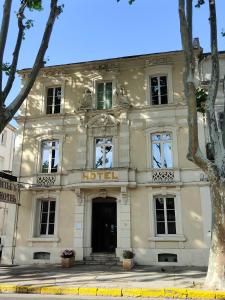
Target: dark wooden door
104, 227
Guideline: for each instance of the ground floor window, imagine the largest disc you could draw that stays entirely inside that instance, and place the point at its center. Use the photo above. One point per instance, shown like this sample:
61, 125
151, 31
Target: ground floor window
165, 216
47, 217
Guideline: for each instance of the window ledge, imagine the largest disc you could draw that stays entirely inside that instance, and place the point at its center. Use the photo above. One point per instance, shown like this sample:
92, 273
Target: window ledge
168, 238
44, 239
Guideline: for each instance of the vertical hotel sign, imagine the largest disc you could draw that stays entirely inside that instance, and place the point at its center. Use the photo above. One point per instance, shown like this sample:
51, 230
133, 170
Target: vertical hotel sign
8, 191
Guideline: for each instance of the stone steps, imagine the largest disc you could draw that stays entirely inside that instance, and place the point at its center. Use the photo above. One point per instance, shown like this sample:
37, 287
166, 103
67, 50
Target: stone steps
101, 259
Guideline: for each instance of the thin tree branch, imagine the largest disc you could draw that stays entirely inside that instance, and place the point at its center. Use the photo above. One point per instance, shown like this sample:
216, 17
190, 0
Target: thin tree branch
3, 37
16, 52
14, 106
194, 152
215, 137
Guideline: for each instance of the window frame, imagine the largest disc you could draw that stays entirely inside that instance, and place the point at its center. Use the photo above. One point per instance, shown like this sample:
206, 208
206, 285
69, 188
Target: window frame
34, 235
49, 156
48, 214
159, 70
53, 103
3, 137
165, 215
161, 142
104, 156
96, 92
159, 89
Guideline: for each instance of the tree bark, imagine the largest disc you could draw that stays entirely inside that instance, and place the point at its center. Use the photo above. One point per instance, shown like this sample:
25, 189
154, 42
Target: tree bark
216, 269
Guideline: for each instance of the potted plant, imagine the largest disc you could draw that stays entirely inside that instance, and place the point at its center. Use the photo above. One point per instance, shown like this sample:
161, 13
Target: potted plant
128, 261
68, 258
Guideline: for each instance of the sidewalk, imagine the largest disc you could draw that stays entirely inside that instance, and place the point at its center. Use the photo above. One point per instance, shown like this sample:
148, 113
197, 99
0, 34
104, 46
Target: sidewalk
146, 281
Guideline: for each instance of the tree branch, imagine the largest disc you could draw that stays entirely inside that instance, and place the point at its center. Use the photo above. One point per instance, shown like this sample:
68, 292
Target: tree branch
14, 106
3, 37
214, 134
16, 52
194, 152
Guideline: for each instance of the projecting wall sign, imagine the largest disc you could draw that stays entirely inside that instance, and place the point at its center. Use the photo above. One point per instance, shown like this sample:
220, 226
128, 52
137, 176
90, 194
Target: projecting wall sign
104, 175
8, 191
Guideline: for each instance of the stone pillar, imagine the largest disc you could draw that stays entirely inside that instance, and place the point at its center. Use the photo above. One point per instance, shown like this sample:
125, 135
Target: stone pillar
123, 222
79, 225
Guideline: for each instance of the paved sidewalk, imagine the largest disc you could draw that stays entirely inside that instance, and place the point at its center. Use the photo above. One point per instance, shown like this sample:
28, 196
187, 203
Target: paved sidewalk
104, 276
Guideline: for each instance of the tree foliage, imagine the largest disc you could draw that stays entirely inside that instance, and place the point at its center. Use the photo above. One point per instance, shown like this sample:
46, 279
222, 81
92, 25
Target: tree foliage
9, 69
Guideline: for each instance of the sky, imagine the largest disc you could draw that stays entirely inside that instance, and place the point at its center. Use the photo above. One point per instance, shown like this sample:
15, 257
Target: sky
99, 29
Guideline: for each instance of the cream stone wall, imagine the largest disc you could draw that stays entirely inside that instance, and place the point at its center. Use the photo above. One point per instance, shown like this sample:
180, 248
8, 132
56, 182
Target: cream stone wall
132, 182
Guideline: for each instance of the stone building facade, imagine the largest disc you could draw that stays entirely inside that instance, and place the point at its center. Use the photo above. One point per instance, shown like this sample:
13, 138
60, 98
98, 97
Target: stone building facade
102, 149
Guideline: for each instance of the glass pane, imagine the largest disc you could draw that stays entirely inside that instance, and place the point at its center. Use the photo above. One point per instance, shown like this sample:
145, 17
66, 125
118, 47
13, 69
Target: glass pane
171, 228
43, 229
99, 141
50, 92
99, 157
44, 206
160, 215
108, 157
155, 100
44, 217
57, 109
55, 160
170, 203
100, 95
168, 163
52, 206
159, 203
154, 81
52, 217
163, 91
156, 156
164, 99
171, 215
51, 229
166, 136
163, 80
49, 109
160, 228
108, 95
156, 137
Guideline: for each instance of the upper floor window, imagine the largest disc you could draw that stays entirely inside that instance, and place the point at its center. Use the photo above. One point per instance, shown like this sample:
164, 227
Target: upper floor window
158, 90
3, 137
165, 216
47, 217
53, 100
220, 118
162, 150
104, 95
50, 156
103, 153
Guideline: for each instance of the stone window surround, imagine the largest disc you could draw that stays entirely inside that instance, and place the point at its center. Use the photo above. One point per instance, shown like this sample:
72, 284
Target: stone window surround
105, 77
35, 220
164, 192
165, 70
160, 129
39, 140
98, 133
46, 84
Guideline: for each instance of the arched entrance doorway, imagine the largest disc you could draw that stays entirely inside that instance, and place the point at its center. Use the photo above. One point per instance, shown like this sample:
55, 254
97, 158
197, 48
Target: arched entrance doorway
104, 225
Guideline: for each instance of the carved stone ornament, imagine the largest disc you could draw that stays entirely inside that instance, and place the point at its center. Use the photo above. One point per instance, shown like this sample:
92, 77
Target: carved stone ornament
122, 98
103, 120
86, 101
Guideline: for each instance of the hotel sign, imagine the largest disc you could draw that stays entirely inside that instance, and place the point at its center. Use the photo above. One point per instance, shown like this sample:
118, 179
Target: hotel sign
8, 191
100, 175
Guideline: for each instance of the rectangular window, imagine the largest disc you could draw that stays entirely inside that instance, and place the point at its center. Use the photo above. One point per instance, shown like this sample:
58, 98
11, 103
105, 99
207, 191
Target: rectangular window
103, 153
104, 95
47, 217
3, 137
165, 216
53, 100
158, 89
162, 150
220, 117
50, 156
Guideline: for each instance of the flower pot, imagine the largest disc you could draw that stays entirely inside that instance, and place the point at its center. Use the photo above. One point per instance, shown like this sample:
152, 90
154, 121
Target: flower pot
68, 262
128, 263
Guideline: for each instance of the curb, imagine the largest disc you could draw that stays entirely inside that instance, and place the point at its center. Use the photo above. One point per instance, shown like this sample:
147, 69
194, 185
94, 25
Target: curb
176, 293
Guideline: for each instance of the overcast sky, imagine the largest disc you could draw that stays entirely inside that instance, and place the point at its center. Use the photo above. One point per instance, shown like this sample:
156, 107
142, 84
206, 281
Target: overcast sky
98, 29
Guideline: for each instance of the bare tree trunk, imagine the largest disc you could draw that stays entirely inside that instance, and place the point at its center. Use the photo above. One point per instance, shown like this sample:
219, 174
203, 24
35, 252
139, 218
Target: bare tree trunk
216, 269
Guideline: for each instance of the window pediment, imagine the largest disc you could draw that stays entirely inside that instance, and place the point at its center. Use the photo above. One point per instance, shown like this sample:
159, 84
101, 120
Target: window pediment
102, 120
